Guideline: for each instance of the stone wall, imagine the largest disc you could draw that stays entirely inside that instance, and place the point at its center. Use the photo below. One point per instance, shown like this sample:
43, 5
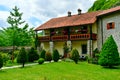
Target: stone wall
114, 17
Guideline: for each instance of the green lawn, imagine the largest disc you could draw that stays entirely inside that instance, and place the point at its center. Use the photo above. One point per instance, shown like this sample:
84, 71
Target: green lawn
61, 71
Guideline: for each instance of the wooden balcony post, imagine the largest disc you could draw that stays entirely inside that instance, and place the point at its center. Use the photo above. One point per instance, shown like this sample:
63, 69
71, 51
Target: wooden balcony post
68, 33
90, 32
90, 44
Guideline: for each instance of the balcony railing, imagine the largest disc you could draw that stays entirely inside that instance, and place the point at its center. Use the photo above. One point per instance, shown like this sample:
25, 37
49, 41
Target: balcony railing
65, 37
44, 38
80, 37
60, 38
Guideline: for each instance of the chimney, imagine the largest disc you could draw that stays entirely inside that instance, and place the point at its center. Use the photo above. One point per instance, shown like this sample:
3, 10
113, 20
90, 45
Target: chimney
79, 11
69, 13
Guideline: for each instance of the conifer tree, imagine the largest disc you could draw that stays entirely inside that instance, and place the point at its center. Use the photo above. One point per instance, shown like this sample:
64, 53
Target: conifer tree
32, 55
22, 56
109, 55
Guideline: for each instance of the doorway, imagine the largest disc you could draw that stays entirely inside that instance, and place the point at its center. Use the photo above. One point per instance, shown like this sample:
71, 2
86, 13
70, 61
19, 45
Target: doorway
84, 49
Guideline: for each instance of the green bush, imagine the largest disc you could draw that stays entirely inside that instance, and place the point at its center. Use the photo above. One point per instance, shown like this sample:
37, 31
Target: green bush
56, 55
32, 55
48, 56
5, 57
41, 60
109, 55
75, 55
22, 56
1, 61
42, 54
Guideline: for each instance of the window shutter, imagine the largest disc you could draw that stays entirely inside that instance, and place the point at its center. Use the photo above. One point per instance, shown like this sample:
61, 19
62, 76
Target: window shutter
113, 25
108, 26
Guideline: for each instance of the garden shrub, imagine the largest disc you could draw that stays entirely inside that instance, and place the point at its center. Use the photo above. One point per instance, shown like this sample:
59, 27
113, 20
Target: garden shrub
66, 50
1, 61
42, 54
109, 55
41, 60
22, 56
5, 57
75, 55
32, 55
56, 55
48, 56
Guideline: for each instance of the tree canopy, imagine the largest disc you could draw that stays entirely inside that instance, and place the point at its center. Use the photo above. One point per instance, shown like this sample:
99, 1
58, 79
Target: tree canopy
104, 4
18, 33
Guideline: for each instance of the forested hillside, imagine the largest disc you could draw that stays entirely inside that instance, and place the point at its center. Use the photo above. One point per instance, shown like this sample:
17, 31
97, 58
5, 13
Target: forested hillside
104, 4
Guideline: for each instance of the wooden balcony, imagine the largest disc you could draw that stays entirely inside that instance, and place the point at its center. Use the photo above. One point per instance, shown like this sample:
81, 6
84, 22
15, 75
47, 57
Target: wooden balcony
82, 36
44, 38
65, 37
60, 38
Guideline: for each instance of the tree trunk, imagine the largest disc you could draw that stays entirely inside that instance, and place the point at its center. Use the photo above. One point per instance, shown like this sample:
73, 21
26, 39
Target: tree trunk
23, 64
13, 53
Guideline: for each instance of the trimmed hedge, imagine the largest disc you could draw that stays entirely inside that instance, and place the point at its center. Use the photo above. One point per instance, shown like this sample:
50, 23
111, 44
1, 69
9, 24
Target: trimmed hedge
41, 60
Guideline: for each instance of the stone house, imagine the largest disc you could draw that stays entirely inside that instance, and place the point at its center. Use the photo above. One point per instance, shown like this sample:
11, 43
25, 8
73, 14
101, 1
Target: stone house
83, 31
109, 24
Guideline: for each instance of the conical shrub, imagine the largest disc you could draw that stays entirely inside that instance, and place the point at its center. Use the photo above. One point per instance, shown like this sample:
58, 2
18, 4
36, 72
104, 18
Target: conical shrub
109, 55
56, 55
42, 54
75, 55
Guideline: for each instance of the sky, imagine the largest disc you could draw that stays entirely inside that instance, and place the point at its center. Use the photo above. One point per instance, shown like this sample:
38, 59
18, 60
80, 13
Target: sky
37, 12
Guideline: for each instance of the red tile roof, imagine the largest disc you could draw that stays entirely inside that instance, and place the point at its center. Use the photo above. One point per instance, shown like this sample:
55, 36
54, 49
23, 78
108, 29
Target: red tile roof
108, 11
74, 20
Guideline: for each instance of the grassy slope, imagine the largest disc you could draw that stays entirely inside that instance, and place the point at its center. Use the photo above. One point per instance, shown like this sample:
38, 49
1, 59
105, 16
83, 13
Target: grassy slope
61, 71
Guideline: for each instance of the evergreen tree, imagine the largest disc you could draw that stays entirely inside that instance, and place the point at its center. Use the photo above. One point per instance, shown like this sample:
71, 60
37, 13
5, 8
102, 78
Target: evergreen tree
1, 61
42, 54
32, 55
56, 55
75, 55
17, 34
22, 56
109, 55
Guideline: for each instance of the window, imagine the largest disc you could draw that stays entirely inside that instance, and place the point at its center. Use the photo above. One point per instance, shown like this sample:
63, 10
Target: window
84, 49
110, 25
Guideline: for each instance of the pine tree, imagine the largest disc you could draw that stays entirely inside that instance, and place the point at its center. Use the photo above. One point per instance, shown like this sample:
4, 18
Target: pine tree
22, 56
17, 33
1, 61
109, 55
